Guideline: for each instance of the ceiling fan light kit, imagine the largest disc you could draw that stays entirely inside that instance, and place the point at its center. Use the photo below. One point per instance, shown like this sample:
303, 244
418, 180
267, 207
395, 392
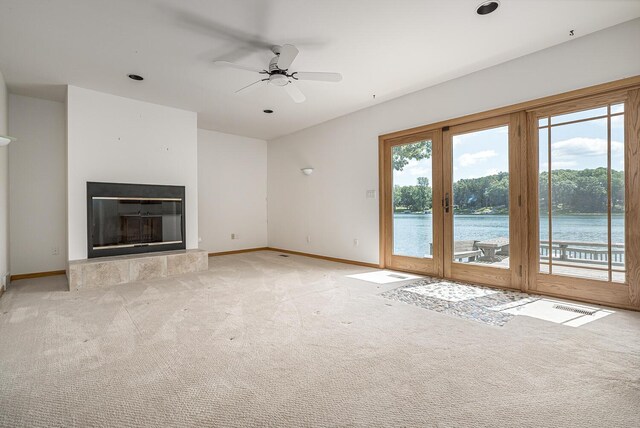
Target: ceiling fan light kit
278, 80
5, 140
278, 73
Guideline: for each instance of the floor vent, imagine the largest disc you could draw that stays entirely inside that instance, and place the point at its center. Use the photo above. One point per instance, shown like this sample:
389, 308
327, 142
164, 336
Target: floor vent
283, 255
582, 311
395, 275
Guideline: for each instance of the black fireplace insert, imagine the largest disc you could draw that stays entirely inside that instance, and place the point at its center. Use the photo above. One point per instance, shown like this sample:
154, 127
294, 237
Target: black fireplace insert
134, 218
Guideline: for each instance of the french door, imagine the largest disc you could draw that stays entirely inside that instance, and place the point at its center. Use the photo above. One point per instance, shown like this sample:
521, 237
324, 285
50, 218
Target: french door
585, 177
483, 201
413, 215
449, 208
543, 198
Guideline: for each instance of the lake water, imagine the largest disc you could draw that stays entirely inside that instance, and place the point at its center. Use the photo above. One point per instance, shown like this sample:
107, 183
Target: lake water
413, 232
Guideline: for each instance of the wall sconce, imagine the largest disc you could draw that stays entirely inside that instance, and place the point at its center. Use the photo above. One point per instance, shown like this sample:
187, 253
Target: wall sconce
307, 171
5, 140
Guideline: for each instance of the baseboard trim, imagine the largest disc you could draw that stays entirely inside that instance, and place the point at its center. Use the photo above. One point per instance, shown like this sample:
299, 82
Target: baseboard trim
37, 274
330, 259
297, 253
246, 250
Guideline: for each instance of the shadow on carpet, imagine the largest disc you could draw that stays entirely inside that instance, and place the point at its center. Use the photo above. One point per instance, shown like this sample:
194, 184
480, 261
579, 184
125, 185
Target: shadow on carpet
472, 302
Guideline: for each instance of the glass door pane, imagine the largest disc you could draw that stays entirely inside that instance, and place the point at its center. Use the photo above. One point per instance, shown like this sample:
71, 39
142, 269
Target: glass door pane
480, 198
581, 193
412, 199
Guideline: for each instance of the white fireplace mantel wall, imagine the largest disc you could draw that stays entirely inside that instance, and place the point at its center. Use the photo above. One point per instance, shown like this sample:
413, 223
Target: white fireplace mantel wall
116, 139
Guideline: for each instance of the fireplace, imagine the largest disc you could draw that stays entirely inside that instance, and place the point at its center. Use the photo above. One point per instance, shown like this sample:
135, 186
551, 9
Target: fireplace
134, 218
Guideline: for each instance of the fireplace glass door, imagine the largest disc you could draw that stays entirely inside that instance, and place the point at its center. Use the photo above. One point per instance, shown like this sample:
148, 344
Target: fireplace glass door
130, 222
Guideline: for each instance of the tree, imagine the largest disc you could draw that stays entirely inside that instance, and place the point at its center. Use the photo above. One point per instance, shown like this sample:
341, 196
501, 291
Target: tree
401, 155
617, 191
497, 194
581, 191
413, 198
426, 193
418, 197
572, 191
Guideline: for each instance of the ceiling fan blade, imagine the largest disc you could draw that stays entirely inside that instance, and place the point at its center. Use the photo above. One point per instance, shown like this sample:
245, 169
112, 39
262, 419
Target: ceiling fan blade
238, 66
318, 76
294, 92
208, 27
251, 86
287, 54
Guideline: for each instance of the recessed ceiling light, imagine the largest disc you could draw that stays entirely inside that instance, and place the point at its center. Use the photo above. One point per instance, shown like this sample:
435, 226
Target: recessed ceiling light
268, 111
487, 7
135, 77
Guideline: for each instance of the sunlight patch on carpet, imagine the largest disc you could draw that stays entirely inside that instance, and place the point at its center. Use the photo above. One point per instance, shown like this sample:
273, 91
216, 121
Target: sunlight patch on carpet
491, 305
383, 276
462, 300
560, 312
450, 291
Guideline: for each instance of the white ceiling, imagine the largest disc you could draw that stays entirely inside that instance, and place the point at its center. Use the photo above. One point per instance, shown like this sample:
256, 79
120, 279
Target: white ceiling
382, 47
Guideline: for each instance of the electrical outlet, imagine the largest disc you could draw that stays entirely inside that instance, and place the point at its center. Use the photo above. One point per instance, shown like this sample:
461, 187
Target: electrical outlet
308, 239
356, 242
55, 251
234, 236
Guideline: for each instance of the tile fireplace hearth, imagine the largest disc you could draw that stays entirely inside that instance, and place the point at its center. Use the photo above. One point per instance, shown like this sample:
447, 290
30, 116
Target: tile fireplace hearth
107, 271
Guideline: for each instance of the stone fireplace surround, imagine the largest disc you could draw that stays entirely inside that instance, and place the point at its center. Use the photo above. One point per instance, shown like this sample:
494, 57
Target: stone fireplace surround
107, 271
135, 262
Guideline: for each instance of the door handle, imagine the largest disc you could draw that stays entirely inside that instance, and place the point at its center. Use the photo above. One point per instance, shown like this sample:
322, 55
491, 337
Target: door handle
446, 203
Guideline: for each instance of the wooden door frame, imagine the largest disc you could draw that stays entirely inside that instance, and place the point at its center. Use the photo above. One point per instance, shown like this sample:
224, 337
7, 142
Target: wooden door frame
431, 266
510, 277
629, 297
514, 275
625, 294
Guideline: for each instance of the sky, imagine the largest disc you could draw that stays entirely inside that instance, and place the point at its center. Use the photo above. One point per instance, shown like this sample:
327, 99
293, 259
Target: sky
574, 146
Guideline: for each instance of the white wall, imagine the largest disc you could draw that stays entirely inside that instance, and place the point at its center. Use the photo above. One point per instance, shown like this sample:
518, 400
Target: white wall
37, 185
232, 191
4, 185
330, 206
116, 139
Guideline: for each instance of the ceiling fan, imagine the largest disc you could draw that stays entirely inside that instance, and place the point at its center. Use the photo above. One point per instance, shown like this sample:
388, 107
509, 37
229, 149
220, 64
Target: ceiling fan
278, 73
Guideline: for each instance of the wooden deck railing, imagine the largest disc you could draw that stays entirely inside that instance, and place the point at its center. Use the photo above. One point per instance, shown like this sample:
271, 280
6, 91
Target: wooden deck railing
583, 252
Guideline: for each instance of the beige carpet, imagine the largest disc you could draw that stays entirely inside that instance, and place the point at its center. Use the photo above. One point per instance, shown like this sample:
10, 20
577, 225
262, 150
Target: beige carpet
262, 340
